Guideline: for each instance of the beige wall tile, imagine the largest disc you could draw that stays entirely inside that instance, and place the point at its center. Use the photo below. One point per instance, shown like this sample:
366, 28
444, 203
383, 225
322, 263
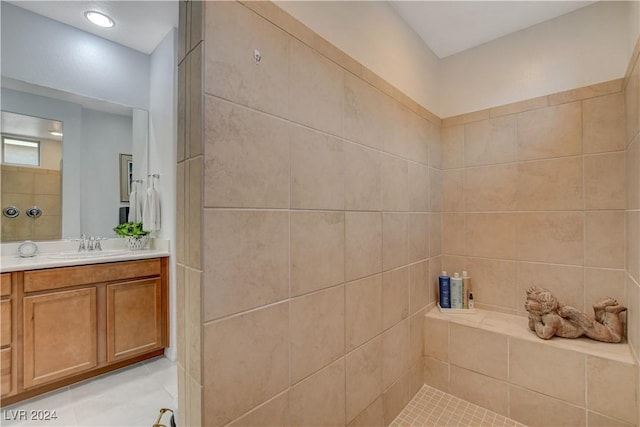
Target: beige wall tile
362, 112
604, 181
194, 401
632, 103
564, 281
550, 132
195, 23
316, 90
474, 116
633, 244
491, 188
597, 420
476, 388
435, 234
613, 388
490, 141
373, 416
181, 213
416, 377
394, 124
519, 107
418, 236
395, 240
193, 323
246, 361
633, 319
603, 123
231, 31
195, 99
451, 264
493, 282
317, 250
395, 353
195, 213
435, 190
604, 239
396, 397
49, 203
491, 235
586, 92
247, 263
479, 351
47, 227
317, 331
363, 244
320, 399
436, 373
181, 336
418, 135
452, 147
551, 237
395, 184
435, 147
363, 316
317, 170
182, 396
17, 181
436, 339
416, 341
453, 190
395, 296
599, 283
524, 406
419, 295
362, 178
545, 369
453, 234
364, 377
550, 185
274, 412
46, 183
418, 188
435, 268
246, 157
632, 169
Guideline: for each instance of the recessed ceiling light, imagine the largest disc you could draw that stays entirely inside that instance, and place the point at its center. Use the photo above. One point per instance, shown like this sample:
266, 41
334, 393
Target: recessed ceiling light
99, 18
55, 133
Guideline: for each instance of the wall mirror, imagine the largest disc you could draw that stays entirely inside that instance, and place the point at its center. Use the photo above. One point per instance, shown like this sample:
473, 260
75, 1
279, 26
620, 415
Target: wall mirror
94, 90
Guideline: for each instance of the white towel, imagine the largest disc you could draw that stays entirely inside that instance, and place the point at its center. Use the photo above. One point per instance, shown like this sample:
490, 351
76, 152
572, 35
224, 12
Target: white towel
135, 206
151, 211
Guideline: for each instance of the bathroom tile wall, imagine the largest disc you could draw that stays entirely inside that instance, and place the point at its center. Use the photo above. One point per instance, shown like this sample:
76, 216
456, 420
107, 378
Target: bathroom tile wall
632, 172
25, 187
189, 202
317, 187
534, 195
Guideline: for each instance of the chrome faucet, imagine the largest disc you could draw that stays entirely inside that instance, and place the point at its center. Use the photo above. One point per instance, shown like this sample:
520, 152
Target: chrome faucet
83, 244
89, 244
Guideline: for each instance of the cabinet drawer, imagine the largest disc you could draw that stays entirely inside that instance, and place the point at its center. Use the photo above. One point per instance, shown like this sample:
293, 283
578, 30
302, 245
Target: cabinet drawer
5, 326
5, 284
5, 372
56, 278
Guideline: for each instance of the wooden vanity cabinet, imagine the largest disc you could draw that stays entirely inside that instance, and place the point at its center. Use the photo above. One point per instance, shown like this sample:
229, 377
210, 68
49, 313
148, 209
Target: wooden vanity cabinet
7, 336
78, 322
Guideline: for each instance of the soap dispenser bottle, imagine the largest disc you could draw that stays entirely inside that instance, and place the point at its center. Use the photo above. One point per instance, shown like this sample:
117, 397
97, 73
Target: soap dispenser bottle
445, 290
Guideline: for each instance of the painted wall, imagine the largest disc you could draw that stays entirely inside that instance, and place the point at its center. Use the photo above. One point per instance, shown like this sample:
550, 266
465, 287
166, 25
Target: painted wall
48, 53
162, 149
104, 137
581, 48
397, 53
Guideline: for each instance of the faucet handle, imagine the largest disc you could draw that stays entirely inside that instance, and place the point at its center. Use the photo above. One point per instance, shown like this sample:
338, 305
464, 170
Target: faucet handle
96, 244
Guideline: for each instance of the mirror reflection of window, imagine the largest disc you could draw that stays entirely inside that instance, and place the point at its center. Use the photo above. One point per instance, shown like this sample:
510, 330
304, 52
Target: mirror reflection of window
19, 151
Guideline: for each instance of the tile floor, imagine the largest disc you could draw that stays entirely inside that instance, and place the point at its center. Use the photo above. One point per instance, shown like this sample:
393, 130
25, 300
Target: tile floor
431, 407
132, 396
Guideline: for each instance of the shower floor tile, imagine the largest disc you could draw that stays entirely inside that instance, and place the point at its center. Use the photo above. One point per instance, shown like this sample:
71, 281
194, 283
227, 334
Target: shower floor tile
431, 407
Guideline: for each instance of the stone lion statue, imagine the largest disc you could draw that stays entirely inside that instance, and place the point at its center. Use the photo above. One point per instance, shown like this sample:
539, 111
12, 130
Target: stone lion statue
548, 317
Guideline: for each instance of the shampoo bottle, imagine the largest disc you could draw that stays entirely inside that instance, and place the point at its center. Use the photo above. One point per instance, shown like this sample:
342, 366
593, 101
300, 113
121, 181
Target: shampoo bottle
457, 294
445, 290
466, 288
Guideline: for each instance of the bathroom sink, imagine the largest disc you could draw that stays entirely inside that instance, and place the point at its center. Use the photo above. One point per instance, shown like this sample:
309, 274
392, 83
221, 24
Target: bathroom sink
85, 255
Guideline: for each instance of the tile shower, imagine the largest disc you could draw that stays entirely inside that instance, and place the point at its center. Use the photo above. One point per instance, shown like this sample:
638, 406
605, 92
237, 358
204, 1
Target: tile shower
313, 198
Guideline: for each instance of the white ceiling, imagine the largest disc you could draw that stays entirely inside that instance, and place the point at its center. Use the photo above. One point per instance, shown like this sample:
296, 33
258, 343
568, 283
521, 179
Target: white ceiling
140, 25
449, 27
29, 127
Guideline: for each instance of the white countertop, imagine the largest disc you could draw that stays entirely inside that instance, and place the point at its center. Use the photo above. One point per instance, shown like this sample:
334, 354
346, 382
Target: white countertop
11, 261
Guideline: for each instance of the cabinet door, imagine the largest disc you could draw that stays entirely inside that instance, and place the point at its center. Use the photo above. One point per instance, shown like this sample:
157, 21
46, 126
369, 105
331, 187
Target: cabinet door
5, 326
5, 372
134, 318
60, 335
